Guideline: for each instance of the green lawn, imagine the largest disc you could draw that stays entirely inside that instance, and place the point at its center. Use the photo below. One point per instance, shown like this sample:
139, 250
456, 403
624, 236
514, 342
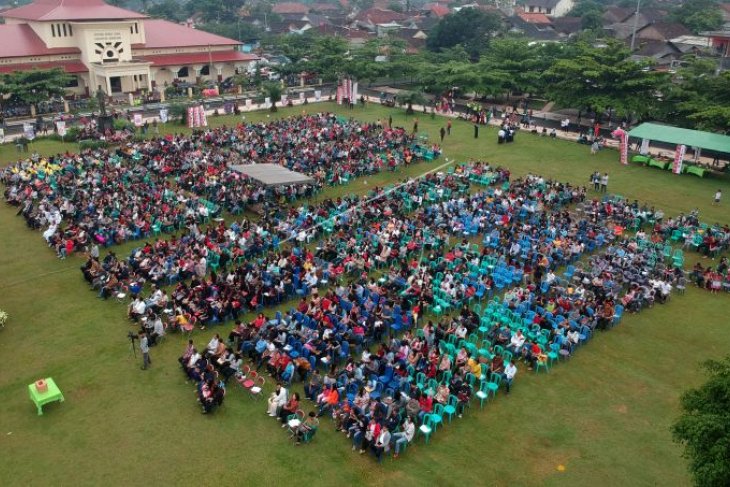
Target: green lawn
604, 415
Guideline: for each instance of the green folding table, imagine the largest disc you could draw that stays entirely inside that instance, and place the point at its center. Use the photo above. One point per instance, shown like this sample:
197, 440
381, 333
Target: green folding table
42, 398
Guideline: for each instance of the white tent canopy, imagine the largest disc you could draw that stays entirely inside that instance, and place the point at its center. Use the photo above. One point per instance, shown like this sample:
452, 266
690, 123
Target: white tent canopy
271, 174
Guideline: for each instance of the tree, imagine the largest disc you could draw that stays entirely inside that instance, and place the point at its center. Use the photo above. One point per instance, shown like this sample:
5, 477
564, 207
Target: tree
585, 6
698, 15
35, 86
273, 90
603, 78
233, 30
469, 27
704, 426
412, 98
167, 9
591, 20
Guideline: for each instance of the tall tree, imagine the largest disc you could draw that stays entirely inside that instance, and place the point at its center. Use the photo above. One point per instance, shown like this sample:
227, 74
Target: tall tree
603, 78
468, 27
704, 426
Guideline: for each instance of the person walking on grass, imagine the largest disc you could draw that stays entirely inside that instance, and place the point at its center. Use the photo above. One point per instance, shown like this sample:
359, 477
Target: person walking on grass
442, 132
596, 180
718, 196
604, 182
448, 127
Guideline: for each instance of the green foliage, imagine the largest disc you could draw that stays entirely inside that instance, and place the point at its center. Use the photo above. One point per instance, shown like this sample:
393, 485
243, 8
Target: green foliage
93, 144
36, 85
123, 124
698, 15
704, 426
591, 20
468, 27
273, 90
167, 9
216, 10
603, 78
699, 98
233, 30
178, 112
583, 7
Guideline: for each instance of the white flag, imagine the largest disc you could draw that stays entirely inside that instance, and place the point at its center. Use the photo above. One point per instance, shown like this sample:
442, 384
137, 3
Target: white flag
163, 115
61, 128
138, 119
318, 95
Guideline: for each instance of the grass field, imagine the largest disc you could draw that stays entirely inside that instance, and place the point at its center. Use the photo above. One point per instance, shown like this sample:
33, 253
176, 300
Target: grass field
604, 415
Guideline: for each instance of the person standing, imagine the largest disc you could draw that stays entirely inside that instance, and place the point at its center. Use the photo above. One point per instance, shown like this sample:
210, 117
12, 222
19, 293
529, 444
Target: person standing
604, 182
144, 347
596, 180
442, 132
390, 121
415, 125
476, 131
448, 127
718, 196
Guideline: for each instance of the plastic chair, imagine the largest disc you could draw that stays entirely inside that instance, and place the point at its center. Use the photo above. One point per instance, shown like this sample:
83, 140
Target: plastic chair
482, 394
493, 384
437, 416
426, 428
257, 391
450, 408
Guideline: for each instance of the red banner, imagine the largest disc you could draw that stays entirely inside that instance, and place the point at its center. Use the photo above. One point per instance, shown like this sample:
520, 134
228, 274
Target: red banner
679, 159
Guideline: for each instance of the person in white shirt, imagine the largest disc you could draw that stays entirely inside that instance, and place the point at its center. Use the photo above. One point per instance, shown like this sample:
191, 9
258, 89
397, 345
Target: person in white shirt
517, 341
382, 443
404, 437
213, 344
510, 370
277, 399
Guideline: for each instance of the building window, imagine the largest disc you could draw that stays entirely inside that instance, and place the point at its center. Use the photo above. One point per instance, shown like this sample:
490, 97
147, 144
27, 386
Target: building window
64, 30
73, 82
183, 73
70, 30
53, 30
205, 71
136, 28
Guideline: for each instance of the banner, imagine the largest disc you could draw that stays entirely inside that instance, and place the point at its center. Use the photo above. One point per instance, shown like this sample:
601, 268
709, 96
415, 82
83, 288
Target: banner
248, 103
284, 99
61, 128
267, 102
318, 95
191, 117
228, 107
679, 159
339, 97
623, 148
203, 116
28, 131
2, 136
644, 150
163, 115
301, 96
138, 120
354, 92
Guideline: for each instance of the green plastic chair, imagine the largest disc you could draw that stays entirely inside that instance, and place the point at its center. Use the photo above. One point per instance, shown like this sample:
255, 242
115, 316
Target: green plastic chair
437, 416
426, 428
493, 384
482, 394
450, 408
542, 364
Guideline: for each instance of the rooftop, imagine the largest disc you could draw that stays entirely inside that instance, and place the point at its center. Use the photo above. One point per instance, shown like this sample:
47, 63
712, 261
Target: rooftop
290, 8
19, 40
48, 10
163, 34
271, 174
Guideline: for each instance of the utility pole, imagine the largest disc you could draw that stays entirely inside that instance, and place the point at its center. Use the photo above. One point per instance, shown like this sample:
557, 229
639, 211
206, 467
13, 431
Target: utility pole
636, 24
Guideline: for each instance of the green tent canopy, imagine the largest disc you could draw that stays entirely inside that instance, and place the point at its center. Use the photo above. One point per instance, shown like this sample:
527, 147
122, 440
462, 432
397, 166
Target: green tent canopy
676, 135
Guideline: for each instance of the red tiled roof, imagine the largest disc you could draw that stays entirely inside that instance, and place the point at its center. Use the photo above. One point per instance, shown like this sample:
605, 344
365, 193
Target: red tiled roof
378, 16
199, 58
71, 10
325, 7
534, 18
19, 40
290, 8
163, 34
68, 66
439, 10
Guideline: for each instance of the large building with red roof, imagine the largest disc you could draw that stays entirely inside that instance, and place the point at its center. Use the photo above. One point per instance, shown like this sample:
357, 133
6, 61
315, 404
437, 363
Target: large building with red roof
112, 49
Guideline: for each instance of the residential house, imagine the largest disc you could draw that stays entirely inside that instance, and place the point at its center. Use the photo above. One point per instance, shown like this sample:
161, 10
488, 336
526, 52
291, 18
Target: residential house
662, 31
551, 8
